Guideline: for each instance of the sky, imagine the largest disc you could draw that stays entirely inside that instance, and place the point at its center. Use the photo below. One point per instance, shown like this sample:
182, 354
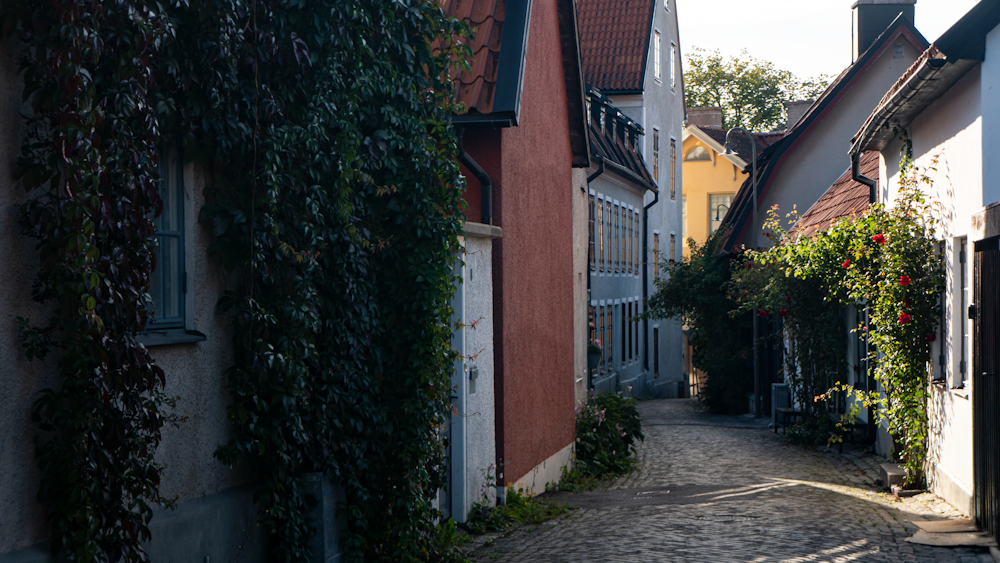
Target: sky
806, 37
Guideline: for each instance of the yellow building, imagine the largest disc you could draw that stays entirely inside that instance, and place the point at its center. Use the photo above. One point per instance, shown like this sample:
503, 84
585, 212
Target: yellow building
711, 178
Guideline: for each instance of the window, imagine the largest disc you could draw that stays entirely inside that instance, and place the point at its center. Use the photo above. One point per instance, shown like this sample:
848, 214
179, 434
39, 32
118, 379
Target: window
609, 343
673, 168
673, 247
637, 331
718, 205
697, 154
673, 66
167, 285
666, 5
656, 156
635, 243
625, 342
590, 246
630, 315
656, 256
617, 246
656, 352
656, 56
607, 238
600, 234
626, 237
604, 338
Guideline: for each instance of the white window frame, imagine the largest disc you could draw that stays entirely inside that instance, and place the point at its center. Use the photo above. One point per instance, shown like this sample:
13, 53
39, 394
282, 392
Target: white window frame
673, 66
657, 74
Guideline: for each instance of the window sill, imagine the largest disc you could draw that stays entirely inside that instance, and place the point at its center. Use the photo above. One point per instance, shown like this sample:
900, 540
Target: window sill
171, 336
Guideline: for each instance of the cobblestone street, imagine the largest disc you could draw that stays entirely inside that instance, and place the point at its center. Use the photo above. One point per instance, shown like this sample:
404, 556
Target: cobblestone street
719, 489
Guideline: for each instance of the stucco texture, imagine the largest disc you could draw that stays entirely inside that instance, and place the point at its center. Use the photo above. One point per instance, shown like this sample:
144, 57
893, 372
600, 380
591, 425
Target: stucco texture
194, 372
480, 448
534, 264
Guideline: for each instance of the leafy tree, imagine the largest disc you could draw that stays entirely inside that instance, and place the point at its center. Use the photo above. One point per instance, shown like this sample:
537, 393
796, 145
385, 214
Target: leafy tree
750, 91
697, 291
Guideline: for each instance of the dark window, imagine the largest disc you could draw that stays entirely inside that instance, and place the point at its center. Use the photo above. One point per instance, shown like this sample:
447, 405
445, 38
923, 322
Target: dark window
656, 352
590, 247
609, 314
963, 317
635, 243
656, 156
618, 239
637, 331
673, 168
604, 337
673, 247
608, 223
167, 281
630, 348
625, 342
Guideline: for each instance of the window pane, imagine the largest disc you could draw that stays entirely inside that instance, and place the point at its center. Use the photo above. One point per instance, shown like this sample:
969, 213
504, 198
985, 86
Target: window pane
718, 205
171, 278
156, 279
170, 219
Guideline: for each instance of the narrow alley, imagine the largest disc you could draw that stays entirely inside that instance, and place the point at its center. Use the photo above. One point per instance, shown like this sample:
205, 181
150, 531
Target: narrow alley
719, 488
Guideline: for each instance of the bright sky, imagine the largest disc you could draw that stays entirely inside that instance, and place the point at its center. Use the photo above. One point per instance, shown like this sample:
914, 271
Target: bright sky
806, 37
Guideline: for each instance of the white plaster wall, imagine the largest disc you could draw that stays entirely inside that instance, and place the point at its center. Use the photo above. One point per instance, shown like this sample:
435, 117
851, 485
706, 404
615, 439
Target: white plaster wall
820, 157
581, 270
479, 416
990, 90
948, 141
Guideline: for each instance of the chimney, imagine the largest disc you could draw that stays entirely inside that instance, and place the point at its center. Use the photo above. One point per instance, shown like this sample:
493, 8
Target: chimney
795, 111
711, 117
872, 17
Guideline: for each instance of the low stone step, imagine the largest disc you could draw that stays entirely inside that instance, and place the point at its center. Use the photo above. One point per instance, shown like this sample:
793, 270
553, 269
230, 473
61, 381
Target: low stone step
892, 474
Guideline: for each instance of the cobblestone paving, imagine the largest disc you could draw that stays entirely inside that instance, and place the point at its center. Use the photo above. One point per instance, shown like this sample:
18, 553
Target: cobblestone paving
727, 489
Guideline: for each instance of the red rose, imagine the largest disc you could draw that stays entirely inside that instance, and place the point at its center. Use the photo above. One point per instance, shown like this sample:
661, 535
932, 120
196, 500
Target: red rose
782, 313
908, 302
904, 280
749, 265
904, 318
788, 298
846, 263
761, 312
768, 235
822, 358
931, 337
880, 238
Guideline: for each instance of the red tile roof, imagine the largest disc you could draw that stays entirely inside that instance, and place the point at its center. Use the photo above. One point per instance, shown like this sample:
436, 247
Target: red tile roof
845, 198
614, 36
476, 87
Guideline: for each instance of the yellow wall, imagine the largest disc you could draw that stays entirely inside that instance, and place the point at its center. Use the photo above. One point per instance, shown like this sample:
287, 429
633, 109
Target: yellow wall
702, 178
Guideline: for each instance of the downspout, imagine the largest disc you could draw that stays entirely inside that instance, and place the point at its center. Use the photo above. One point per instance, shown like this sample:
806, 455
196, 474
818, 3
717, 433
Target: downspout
590, 273
645, 278
857, 176
485, 185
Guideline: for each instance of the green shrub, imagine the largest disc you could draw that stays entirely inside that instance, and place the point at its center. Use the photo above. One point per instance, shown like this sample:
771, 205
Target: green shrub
809, 431
606, 431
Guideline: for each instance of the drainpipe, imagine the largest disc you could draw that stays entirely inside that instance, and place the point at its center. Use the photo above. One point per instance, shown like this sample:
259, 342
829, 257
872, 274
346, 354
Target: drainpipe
485, 185
857, 176
645, 278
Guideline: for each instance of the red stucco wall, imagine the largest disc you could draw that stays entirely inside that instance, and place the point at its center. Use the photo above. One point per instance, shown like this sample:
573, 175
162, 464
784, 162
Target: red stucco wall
533, 205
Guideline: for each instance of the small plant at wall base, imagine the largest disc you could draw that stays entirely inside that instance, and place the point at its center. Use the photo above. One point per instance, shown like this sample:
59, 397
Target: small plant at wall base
607, 429
887, 260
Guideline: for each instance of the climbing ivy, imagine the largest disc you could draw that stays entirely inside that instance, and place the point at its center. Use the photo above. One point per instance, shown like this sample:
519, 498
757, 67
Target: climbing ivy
887, 260
335, 202
88, 162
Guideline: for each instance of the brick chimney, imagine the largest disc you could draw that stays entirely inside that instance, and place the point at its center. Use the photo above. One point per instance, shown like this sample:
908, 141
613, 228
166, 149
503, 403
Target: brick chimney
795, 111
872, 17
705, 116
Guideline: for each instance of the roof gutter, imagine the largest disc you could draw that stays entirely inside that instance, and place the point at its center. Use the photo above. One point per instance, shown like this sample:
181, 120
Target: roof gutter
882, 116
485, 185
